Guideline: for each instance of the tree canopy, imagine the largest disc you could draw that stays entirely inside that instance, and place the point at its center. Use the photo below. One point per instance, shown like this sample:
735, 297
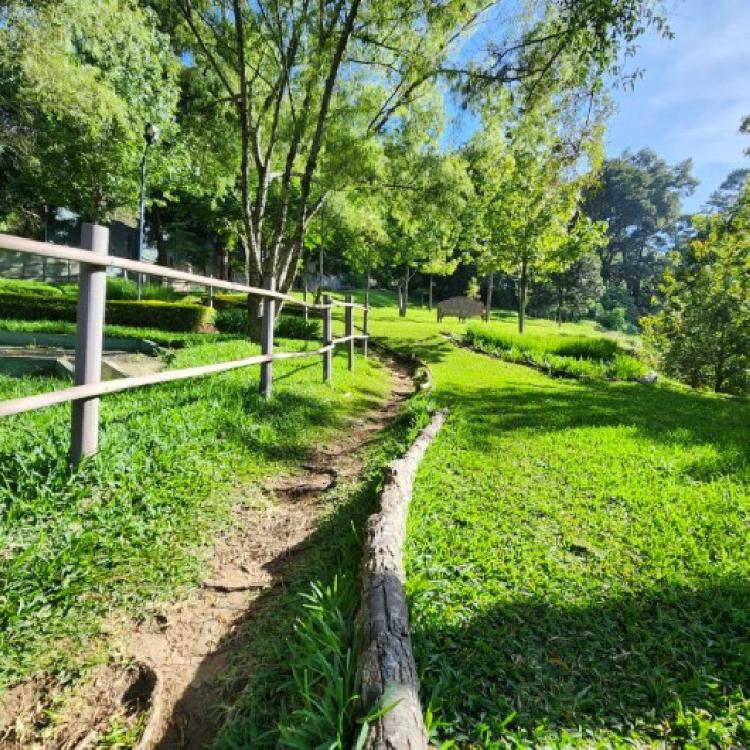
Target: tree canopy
79, 82
702, 331
639, 197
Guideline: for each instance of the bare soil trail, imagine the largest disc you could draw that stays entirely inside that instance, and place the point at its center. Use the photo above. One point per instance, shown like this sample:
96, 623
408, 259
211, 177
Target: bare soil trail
168, 674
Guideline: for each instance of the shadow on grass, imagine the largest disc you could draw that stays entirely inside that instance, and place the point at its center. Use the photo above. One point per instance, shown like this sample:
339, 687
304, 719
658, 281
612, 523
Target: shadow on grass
275, 427
616, 665
667, 414
431, 350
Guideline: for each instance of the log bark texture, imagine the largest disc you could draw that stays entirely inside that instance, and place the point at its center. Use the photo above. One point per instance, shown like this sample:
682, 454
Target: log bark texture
387, 663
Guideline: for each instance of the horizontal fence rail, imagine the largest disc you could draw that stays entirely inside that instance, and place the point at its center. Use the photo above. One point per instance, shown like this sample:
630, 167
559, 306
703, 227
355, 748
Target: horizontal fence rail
63, 252
89, 387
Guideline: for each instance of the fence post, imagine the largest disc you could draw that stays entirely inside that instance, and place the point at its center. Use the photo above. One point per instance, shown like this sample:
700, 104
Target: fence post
365, 331
349, 318
92, 292
327, 339
266, 369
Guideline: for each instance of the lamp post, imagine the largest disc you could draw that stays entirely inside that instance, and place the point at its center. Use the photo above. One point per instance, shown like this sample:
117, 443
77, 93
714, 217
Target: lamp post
151, 136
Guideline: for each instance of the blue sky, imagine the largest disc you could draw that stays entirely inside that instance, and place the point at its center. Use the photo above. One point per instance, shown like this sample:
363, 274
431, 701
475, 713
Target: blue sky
694, 91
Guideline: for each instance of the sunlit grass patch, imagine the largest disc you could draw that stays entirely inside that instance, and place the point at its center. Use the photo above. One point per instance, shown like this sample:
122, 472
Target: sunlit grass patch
578, 564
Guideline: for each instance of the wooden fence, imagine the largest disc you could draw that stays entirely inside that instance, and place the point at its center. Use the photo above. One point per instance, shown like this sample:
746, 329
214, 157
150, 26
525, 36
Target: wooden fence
89, 387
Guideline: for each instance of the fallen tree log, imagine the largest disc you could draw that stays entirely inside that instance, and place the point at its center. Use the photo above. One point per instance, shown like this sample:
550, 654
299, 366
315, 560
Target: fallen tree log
387, 664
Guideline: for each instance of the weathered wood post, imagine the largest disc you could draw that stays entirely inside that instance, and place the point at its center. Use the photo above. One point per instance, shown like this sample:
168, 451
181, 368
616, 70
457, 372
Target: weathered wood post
327, 339
365, 330
211, 295
92, 292
349, 318
266, 369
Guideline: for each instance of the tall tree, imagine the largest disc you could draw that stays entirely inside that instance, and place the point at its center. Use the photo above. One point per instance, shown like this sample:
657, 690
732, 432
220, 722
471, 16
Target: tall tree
728, 194
702, 332
425, 218
311, 84
639, 197
570, 292
529, 179
79, 81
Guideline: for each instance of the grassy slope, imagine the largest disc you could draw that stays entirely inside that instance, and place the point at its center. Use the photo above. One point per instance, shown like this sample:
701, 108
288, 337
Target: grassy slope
128, 527
578, 565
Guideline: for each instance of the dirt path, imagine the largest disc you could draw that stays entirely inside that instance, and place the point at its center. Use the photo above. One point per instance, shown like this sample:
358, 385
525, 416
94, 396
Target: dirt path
172, 664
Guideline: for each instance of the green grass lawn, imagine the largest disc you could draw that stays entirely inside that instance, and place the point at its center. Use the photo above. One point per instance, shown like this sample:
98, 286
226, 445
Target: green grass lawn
129, 526
578, 557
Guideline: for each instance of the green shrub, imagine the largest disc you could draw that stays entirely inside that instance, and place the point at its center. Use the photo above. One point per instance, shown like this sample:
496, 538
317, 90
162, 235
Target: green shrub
119, 288
27, 286
168, 316
626, 367
291, 327
587, 348
231, 320
234, 320
613, 319
37, 307
68, 289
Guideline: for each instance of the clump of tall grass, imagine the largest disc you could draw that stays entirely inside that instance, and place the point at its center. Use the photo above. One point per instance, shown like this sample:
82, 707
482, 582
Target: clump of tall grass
119, 288
320, 695
126, 289
578, 347
568, 356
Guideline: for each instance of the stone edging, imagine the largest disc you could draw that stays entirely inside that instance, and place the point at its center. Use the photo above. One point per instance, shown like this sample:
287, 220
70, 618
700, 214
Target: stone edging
386, 663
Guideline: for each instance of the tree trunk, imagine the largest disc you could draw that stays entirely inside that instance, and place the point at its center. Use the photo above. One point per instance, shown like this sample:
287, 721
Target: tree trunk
367, 288
254, 318
429, 294
522, 289
488, 304
304, 293
320, 271
246, 251
254, 309
225, 271
719, 368
403, 297
559, 305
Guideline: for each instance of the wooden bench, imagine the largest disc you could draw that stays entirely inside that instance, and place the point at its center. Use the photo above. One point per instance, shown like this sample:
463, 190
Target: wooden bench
461, 307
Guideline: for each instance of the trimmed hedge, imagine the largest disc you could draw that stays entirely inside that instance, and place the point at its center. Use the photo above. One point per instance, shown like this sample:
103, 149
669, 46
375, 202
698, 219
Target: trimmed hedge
227, 301
28, 286
169, 316
232, 320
